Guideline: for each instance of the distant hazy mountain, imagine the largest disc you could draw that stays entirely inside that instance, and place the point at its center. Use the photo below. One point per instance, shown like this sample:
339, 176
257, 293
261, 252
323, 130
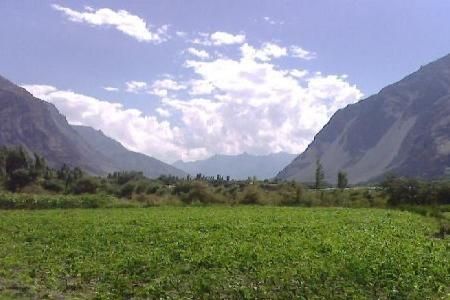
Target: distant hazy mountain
124, 159
39, 127
404, 129
238, 166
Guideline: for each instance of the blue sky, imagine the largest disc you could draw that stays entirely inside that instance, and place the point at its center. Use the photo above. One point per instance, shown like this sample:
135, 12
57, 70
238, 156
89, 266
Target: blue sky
188, 79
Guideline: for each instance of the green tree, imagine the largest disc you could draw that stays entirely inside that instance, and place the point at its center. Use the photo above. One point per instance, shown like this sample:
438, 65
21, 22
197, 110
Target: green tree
86, 185
320, 175
2, 163
16, 159
19, 178
342, 181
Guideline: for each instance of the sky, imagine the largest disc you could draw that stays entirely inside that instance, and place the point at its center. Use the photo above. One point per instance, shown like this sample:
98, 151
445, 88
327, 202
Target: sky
179, 79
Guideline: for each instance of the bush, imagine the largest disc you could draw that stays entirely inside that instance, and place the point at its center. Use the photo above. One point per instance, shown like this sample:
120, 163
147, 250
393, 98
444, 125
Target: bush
33, 201
18, 179
53, 185
86, 185
251, 196
153, 188
126, 191
196, 191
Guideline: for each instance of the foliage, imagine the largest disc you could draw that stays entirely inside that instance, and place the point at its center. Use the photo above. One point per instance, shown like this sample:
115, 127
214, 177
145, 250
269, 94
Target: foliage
222, 253
54, 185
34, 201
251, 195
411, 191
85, 185
342, 181
126, 191
319, 175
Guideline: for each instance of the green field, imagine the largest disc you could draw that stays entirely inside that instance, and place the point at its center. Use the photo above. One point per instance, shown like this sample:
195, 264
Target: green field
222, 252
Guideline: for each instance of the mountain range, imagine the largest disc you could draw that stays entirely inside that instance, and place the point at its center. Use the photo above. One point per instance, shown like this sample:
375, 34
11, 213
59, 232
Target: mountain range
404, 129
238, 166
39, 127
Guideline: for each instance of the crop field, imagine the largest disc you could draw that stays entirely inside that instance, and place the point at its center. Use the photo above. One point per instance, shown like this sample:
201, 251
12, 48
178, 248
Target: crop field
222, 252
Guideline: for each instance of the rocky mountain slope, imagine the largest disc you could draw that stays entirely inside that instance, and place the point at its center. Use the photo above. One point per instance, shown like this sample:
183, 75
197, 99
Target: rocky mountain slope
404, 129
123, 158
39, 127
238, 166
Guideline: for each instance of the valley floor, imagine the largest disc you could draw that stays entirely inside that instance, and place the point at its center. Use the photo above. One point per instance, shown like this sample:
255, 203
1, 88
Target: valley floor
222, 252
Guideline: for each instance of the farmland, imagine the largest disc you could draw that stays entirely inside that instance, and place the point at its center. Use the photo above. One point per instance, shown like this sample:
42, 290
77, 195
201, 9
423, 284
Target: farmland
222, 252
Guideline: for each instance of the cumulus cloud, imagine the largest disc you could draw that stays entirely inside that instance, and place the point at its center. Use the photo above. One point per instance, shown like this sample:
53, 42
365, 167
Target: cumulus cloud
256, 107
163, 112
136, 86
198, 53
163, 86
224, 38
265, 53
225, 105
110, 89
299, 52
139, 132
121, 20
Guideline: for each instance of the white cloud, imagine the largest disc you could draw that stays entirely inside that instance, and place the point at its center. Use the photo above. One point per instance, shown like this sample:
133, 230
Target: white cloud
224, 38
265, 53
110, 89
200, 87
229, 106
138, 132
162, 87
163, 112
254, 106
122, 20
136, 86
272, 21
199, 53
300, 73
299, 52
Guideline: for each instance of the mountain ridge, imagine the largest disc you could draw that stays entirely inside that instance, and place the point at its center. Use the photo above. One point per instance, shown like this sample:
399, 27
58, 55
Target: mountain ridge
126, 160
394, 130
39, 127
239, 166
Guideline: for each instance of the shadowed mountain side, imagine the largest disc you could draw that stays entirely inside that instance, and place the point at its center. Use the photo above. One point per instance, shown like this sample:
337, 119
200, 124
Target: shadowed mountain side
39, 127
125, 159
404, 129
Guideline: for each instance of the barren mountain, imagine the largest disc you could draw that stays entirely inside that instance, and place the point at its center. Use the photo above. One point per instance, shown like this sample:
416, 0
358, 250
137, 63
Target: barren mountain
123, 158
404, 129
39, 127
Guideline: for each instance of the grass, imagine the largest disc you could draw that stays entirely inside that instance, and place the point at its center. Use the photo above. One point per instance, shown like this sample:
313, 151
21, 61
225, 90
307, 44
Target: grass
49, 201
222, 252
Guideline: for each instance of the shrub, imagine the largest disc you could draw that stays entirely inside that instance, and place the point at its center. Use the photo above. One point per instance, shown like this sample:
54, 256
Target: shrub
251, 196
33, 201
86, 185
18, 179
53, 185
126, 191
153, 188
196, 191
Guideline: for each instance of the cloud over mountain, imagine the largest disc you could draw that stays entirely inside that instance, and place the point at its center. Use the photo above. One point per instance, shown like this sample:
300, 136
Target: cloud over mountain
227, 105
